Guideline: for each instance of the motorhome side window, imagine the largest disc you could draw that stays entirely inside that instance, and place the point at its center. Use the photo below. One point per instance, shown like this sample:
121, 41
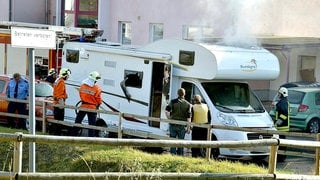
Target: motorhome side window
72, 56
133, 78
186, 57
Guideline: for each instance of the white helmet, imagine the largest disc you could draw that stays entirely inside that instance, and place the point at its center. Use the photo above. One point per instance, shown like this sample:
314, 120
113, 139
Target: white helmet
94, 75
64, 72
283, 91
52, 71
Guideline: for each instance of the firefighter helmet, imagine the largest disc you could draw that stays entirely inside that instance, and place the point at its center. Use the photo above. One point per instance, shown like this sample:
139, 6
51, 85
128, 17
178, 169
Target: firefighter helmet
64, 72
52, 71
283, 91
94, 75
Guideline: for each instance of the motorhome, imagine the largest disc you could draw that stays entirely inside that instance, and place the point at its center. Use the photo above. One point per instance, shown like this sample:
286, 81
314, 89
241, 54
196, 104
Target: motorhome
142, 80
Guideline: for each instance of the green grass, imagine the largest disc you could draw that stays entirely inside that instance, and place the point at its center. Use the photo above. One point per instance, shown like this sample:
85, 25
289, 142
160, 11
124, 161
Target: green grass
72, 158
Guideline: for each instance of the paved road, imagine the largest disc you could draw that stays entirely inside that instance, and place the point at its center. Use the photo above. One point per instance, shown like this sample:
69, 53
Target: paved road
298, 165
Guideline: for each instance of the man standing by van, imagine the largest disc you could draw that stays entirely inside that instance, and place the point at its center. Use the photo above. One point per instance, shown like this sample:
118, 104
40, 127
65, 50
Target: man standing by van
179, 109
90, 95
59, 97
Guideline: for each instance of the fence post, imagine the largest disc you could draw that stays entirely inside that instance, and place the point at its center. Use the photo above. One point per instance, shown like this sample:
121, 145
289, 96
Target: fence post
120, 125
317, 157
17, 153
208, 150
44, 114
273, 158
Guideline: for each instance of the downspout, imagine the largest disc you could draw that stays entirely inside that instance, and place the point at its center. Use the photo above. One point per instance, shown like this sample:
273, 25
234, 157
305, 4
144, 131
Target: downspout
58, 12
10, 10
286, 54
46, 12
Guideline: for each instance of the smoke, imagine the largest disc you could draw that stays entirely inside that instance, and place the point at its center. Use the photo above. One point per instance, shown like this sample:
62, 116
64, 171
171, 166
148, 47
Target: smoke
244, 19
237, 22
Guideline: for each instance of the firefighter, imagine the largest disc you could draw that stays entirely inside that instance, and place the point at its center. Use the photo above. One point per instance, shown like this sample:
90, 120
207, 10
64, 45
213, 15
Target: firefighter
90, 95
59, 97
282, 121
52, 75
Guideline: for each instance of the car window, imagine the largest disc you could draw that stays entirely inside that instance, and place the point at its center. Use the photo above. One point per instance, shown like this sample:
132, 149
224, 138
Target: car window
317, 101
43, 90
2, 83
295, 97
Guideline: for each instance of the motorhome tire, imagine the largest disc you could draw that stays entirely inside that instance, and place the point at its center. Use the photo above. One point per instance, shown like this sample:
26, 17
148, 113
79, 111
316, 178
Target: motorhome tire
214, 151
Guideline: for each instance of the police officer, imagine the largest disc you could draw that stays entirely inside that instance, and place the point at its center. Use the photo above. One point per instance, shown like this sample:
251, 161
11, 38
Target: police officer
90, 95
282, 111
18, 88
59, 97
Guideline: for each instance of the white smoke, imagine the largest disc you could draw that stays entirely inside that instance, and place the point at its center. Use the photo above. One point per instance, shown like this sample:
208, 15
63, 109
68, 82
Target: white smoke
236, 21
241, 30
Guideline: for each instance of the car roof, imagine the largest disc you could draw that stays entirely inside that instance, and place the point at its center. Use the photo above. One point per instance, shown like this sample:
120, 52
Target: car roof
304, 89
301, 83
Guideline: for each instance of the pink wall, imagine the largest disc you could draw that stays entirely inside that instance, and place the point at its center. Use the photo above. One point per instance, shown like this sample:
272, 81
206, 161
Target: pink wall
231, 19
4, 10
172, 13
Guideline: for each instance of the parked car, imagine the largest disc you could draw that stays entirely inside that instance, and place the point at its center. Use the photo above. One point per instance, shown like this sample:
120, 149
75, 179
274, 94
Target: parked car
43, 92
304, 108
301, 84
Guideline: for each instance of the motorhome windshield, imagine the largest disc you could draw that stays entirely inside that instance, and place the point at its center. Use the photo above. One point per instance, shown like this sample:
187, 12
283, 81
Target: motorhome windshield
233, 97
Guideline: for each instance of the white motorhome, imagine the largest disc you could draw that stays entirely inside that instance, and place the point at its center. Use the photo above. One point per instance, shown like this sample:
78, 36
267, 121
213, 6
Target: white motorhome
142, 80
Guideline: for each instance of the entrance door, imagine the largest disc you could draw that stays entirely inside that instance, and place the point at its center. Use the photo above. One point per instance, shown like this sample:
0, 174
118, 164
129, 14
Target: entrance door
159, 90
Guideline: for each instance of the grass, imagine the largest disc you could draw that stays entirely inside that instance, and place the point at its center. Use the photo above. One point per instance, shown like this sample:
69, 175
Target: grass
72, 158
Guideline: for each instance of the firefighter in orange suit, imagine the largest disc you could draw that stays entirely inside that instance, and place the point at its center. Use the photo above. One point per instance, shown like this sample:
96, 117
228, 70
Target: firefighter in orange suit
59, 96
90, 95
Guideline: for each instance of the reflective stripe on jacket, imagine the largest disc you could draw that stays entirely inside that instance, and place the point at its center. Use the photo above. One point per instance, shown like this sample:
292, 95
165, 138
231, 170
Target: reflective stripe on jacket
90, 96
284, 116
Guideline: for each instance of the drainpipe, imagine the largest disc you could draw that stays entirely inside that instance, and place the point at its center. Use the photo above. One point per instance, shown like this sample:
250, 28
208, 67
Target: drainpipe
286, 54
58, 12
10, 10
46, 12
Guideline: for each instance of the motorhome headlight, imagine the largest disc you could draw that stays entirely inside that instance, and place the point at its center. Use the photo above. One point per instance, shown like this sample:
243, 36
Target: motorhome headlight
226, 119
49, 112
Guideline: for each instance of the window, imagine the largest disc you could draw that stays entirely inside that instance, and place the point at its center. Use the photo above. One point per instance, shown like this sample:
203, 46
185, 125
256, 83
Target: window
72, 56
307, 68
186, 58
156, 32
125, 32
81, 13
317, 99
197, 32
133, 78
